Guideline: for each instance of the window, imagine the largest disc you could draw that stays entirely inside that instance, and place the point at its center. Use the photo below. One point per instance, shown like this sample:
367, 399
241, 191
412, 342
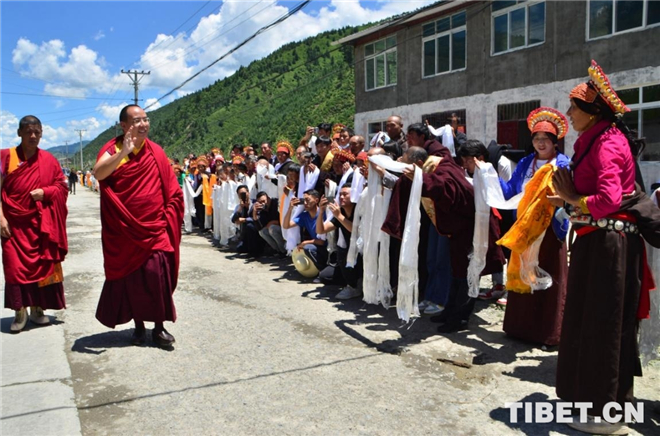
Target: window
456, 118
380, 63
644, 116
613, 16
517, 24
373, 128
512, 124
443, 45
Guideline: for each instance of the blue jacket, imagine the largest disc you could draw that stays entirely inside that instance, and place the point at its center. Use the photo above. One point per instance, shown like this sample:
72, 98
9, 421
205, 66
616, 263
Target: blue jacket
515, 186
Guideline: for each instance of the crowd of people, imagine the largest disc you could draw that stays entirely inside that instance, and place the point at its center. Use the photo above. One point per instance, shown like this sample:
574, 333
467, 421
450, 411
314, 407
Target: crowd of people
412, 218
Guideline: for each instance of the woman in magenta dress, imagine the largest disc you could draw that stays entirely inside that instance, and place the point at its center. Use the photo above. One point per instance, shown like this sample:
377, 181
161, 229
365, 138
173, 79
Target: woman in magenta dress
598, 355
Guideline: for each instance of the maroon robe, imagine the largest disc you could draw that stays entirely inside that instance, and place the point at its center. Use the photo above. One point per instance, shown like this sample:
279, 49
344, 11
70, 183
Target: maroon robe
38, 230
141, 217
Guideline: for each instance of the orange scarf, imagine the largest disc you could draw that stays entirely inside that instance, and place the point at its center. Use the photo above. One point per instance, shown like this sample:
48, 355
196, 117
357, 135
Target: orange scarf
534, 216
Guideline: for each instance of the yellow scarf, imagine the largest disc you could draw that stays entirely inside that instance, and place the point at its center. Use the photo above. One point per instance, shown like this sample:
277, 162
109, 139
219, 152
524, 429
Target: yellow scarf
534, 216
327, 162
207, 189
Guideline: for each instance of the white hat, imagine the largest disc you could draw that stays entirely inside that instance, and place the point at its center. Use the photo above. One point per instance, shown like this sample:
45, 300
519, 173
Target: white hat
303, 263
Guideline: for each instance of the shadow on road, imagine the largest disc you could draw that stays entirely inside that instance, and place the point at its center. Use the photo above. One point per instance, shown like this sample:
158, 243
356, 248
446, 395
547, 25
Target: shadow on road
100, 342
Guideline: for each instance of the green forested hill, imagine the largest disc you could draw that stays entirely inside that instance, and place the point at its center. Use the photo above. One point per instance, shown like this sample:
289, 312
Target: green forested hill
274, 98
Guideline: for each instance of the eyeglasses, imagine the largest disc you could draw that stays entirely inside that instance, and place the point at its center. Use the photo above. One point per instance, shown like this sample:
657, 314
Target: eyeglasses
137, 121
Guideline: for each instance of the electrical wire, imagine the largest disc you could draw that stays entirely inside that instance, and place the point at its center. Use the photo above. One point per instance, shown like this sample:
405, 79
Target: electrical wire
238, 46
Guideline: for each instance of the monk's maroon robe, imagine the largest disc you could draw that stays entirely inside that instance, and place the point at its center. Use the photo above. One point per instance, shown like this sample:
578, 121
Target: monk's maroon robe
38, 230
141, 217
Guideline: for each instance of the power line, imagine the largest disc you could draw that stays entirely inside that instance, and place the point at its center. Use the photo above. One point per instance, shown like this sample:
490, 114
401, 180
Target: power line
241, 44
193, 48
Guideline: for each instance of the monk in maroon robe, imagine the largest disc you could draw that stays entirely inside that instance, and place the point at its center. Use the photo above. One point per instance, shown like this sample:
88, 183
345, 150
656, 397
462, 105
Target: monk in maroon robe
33, 227
141, 217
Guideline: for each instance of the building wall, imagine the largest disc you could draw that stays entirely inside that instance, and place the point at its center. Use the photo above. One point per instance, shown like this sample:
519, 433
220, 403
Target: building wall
564, 55
481, 109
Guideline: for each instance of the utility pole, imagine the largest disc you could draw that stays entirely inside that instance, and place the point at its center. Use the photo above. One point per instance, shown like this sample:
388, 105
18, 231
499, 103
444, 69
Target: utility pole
80, 132
66, 153
135, 80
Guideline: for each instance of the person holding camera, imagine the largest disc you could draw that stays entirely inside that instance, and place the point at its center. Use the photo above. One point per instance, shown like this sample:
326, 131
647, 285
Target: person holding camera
342, 219
250, 241
312, 245
266, 218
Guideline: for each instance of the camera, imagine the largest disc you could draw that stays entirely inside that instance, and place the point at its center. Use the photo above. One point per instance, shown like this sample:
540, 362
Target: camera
243, 196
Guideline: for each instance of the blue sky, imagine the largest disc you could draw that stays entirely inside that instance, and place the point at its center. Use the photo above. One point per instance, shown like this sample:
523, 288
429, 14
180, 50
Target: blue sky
68, 55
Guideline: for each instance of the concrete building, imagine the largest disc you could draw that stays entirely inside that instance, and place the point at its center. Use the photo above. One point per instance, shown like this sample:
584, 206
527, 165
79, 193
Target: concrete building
484, 65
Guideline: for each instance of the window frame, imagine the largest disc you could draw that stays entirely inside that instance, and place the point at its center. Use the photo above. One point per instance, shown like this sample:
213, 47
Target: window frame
436, 36
640, 107
370, 135
521, 4
644, 26
373, 57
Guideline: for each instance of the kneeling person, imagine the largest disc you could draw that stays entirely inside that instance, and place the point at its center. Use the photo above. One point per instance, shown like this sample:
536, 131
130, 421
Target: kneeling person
342, 220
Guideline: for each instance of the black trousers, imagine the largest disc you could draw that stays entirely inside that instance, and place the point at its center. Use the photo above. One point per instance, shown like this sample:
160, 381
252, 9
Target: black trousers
341, 275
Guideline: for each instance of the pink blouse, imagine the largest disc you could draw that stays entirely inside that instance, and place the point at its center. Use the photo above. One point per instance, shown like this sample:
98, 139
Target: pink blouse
607, 172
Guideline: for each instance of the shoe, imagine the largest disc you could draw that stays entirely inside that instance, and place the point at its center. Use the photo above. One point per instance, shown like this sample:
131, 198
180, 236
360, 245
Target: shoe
163, 339
347, 293
317, 280
139, 337
441, 318
502, 301
37, 316
423, 305
452, 327
20, 319
602, 427
494, 293
433, 309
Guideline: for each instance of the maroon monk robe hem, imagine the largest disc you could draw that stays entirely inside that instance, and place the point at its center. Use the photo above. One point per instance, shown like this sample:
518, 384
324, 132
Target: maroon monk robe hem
143, 295
48, 297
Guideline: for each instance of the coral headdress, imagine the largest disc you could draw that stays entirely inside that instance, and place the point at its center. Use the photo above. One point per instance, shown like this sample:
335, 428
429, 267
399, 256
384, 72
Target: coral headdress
599, 85
548, 120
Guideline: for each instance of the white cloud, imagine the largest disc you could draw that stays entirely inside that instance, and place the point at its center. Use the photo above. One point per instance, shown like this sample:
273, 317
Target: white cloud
109, 112
152, 101
77, 74
99, 35
8, 128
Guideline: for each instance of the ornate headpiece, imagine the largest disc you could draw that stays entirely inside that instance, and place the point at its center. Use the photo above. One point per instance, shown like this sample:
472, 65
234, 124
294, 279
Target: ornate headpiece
238, 160
599, 85
192, 163
343, 156
215, 151
548, 120
363, 156
337, 128
202, 161
284, 144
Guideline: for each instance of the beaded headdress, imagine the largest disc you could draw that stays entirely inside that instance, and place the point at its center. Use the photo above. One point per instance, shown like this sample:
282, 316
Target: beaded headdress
548, 120
599, 85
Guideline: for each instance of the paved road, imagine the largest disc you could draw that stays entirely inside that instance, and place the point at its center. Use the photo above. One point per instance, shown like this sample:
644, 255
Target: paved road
260, 352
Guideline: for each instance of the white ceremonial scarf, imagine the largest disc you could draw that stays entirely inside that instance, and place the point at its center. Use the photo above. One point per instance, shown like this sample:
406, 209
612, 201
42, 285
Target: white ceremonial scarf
355, 245
216, 200
369, 218
330, 192
228, 202
342, 182
251, 182
447, 135
265, 184
408, 284
292, 235
357, 185
481, 229
307, 181
189, 203
281, 183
